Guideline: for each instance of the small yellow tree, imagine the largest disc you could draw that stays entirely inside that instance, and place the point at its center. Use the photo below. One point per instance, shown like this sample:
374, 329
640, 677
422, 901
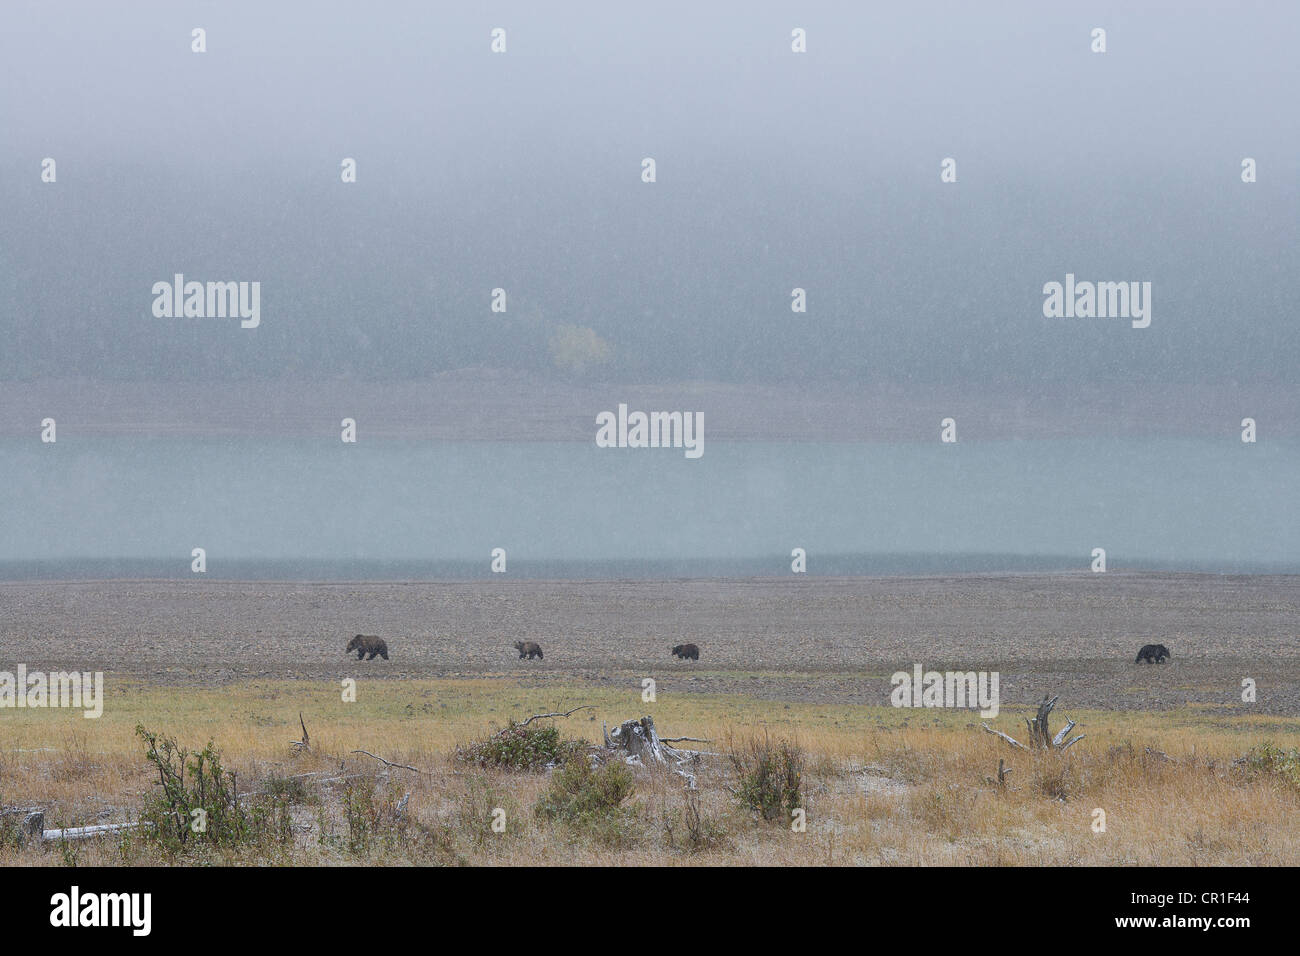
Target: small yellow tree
575, 348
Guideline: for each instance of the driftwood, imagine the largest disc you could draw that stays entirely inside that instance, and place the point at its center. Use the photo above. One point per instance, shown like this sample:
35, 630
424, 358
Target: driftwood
299, 746
82, 833
1011, 740
640, 745
33, 826
320, 781
1040, 736
304, 745
388, 763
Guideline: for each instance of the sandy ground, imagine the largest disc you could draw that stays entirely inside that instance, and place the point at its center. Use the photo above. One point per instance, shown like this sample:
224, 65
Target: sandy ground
795, 639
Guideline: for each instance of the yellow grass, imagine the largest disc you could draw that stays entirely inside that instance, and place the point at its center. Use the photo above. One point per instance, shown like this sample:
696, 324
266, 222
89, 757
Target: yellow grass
882, 786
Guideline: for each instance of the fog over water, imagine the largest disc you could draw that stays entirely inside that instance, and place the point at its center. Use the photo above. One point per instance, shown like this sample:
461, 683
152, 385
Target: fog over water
298, 508
522, 171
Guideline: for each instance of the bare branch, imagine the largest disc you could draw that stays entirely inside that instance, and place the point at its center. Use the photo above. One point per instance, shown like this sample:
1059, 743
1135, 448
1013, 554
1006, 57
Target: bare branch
1063, 733
1011, 740
305, 744
388, 763
542, 717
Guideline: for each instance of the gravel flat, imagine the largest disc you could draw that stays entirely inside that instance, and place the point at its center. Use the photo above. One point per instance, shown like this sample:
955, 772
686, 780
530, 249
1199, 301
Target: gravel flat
832, 640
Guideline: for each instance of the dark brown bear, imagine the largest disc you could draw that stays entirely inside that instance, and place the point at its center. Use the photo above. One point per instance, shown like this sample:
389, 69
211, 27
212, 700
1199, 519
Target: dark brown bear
528, 649
364, 644
687, 652
1152, 654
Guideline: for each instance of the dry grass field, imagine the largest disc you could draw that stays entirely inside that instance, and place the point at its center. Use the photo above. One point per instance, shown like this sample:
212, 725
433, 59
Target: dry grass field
879, 785
1184, 770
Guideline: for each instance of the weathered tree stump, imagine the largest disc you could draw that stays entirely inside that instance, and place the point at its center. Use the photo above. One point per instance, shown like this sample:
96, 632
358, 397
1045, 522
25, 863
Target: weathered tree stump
1040, 736
640, 745
638, 742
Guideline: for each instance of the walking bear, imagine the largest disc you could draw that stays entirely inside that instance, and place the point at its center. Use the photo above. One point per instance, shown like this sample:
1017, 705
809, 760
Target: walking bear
364, 644
528, 649
687, 652
1152, 654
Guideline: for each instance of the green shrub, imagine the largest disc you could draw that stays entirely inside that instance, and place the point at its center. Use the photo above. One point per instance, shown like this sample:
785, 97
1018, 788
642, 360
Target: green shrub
198, 804
590, 800
769, 775
11, 831
1272, 760
520, 747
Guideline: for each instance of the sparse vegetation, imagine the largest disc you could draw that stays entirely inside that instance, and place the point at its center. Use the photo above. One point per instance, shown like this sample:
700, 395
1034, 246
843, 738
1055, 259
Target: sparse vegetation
1269, 759
769, 775
690, 824
484, 798
197, 805
879, 785
590, 800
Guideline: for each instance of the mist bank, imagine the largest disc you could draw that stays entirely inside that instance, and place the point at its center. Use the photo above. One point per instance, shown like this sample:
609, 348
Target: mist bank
740, 508
488, 404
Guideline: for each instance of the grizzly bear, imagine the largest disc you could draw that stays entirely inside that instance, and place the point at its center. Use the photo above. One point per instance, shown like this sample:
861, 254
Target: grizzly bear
687, 652
364, 644
528, 649
1152, 654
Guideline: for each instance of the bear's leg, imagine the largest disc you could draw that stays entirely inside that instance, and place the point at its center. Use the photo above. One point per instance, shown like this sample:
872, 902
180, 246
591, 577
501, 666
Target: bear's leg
361, 654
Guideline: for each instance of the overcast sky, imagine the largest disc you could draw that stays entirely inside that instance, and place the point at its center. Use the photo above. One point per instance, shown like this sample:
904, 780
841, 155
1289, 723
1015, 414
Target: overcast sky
775, 170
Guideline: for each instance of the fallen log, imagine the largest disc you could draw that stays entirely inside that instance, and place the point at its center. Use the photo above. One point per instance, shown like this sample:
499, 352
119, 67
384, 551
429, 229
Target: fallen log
33, 826
82, 833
